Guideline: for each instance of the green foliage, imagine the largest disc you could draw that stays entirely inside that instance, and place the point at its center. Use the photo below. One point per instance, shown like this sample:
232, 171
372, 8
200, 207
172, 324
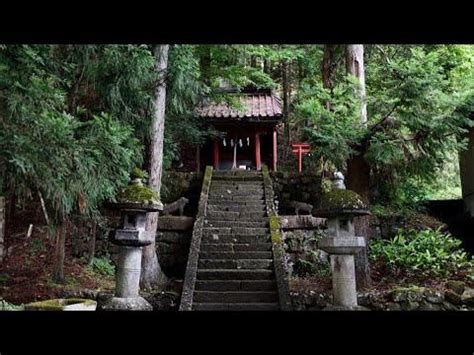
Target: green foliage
418, 101
103, 266
6, 306
427, 252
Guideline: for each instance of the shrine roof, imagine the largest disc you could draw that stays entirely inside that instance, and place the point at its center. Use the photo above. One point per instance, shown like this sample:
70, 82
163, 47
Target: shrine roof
257, 106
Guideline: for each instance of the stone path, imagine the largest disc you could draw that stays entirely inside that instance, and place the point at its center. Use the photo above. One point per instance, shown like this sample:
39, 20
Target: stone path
235, 267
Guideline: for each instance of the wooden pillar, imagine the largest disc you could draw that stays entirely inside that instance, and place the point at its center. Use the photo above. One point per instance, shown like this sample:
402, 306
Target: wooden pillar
258, 161
198, 159
300, 160
275, 151
216, 154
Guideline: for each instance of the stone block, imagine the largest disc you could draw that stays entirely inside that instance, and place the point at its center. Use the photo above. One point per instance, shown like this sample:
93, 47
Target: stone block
456, 286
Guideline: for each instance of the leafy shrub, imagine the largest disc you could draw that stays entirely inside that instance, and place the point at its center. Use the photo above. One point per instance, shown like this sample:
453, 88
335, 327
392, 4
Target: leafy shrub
103, 266
428, 252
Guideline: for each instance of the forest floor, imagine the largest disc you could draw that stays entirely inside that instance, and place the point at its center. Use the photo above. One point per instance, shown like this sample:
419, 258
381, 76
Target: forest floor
25, 274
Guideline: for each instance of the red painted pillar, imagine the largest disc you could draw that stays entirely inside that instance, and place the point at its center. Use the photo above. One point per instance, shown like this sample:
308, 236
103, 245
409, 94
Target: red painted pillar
300, 159
258, 162
275, 152
216, 154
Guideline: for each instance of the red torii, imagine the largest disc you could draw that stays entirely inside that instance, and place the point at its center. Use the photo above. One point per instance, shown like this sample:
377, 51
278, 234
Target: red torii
299, 149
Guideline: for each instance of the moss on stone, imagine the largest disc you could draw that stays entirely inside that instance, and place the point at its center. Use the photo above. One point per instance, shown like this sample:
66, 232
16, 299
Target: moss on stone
138, 193
341, 199
139, 173
57, 304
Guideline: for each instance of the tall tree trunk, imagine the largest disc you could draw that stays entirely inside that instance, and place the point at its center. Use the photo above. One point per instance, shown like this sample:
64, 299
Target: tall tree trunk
286, 104
205, 63
59, 252
355, 67
358, 169
327, 68
152, 275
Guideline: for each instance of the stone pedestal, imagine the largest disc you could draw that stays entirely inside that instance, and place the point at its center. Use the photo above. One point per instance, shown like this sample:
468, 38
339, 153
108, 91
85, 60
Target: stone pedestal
342, 251
131, 238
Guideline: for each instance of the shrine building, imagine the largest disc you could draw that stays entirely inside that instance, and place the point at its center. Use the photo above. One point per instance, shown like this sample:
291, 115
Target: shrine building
248, 130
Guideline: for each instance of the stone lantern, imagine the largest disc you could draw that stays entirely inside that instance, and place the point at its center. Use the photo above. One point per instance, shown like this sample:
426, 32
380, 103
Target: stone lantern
131, 237
339, 207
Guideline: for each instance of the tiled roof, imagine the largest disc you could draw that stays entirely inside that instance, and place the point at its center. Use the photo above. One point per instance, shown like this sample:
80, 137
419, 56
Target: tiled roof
253, 106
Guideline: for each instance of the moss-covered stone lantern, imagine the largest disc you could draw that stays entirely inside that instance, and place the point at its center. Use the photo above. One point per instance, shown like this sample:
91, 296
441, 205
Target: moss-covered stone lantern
340, 206
134, 202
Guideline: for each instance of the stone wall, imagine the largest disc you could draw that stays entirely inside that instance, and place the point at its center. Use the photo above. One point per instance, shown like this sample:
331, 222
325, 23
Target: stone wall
294, 187
182, 184
173, 238
456, 297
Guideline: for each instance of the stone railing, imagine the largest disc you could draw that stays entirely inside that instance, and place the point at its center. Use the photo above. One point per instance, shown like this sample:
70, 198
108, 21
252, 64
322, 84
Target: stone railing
281, 273
191, 268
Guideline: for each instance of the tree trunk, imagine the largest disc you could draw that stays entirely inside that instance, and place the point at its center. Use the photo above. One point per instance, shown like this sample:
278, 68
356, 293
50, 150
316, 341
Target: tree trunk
358, 170
355, 67
92, 242
151, 275
59, 253
2, 228
205, 63
286, 104
327, 68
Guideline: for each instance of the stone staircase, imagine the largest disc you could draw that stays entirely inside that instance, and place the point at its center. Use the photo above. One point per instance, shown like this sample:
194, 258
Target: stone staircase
235, 267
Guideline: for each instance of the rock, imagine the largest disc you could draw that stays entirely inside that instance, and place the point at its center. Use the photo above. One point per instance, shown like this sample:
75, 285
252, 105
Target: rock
449, 306
433, 296
392, 306
452, 297
409, 305
467, 296
164, 301
456, 286
412, 294
427, 306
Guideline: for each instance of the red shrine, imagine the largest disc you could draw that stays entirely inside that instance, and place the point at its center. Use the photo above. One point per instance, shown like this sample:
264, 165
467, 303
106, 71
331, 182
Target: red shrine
248, 131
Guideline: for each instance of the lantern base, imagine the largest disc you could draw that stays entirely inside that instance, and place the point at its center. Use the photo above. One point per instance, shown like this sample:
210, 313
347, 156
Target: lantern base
124, 304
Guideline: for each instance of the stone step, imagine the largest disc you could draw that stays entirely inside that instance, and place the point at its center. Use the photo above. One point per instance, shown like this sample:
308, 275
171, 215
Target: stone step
235, 296
227, 190
234, 208
236, 285
233, 230
218, 223
236, 306
235, 247
235, 238
219, 177
249, 203
230, 199
224, 274
238, 264
232, 216
236, 255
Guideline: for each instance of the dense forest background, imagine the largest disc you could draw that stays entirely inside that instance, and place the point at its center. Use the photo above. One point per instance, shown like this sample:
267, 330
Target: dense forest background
76, 119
